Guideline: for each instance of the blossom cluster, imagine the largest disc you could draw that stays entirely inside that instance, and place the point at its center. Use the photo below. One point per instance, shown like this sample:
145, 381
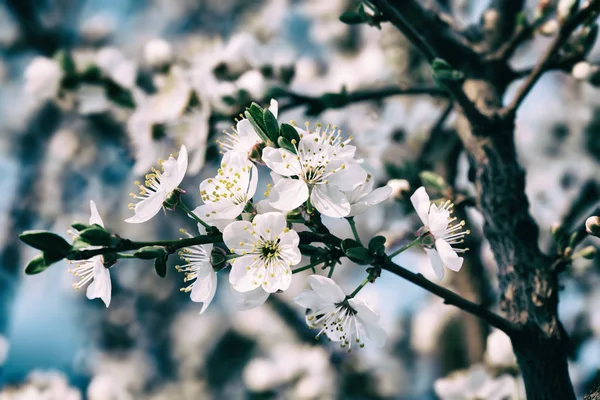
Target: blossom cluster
313, 171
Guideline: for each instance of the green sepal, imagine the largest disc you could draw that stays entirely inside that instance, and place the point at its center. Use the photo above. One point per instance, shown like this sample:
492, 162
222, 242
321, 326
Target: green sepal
160, 266
95, 235
150, 252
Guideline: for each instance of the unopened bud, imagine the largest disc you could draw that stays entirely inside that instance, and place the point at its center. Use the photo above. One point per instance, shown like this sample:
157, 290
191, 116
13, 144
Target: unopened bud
592, 226
582, 70
150, 252
172, 199
399, 187
549, 28
157, 52
255, 154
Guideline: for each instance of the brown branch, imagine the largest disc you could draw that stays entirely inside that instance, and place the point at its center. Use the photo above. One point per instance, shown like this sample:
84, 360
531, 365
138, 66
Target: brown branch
547, 59
452, 298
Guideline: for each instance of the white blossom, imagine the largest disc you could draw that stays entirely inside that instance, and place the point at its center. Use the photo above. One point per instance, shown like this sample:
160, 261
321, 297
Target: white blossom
42, 78
117, 67
476, 384
499, 350
342, 319
93, 271
226, 195
444, 232
92, 99
244, 138
324, 166
199, 269
157, 52
267, 249
363, 196
159, 185
399, 187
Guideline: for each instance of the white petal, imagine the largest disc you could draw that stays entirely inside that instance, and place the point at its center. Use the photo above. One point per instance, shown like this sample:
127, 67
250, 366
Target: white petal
264, 206
95, 216
375, 197
310, 299
147, 208
270, 224
450, 259
253, 182
281, 279
223, 210
241, 278
174, 170
436, 263
420, 201
288, 243
349, 177
101, 287
274, 107
288, 194
238, 236
248, 300
205, 286
330, 201
281, 161
438, 221
326, 288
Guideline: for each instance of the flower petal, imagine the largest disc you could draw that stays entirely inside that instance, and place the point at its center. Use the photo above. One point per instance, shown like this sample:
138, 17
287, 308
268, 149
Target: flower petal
277, 276
205, 286
436, 263
375, 197
101, 287
238, 236
223, 210
326, 288
310, 299
253, 182
349, 177
281, 161
330, 201
420, 201
438, 221
269, 225
248, 300
242, 274
147, 208
95, 216
288, 194
274, 107
450, 259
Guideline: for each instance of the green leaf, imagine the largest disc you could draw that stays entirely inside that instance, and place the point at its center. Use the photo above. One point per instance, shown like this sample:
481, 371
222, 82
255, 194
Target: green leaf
359, 255
36, 265
95, 235
442, 71
290, 133
118, 95
50, 257
150, 252
377, 245
352, 18
285, 144
271, 125
79, 226
44, 240
66, 62
432, 180
160, 266
348, 244
254, 114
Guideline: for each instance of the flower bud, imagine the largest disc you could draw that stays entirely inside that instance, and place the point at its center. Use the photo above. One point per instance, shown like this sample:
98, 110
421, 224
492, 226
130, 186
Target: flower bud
157, 52
150, 252
592, 226
172, 199
549, 28
588, 253
582, 70
399, 187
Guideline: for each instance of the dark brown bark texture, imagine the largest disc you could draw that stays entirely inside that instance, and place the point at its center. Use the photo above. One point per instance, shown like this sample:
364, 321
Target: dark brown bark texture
528, 278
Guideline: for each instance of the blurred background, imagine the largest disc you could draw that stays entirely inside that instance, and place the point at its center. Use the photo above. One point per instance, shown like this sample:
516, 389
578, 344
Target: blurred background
162, 73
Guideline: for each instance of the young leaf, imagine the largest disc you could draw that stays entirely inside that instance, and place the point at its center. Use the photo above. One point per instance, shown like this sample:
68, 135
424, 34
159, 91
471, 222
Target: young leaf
271, 125
359, 255
285, 144
290, 133
160, 266
36, 265
256, 125
44, 240
376, 245
348, 244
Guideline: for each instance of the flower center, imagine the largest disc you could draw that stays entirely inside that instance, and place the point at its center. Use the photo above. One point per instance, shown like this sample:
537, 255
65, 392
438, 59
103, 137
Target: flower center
339, 322
227, 186
269, 250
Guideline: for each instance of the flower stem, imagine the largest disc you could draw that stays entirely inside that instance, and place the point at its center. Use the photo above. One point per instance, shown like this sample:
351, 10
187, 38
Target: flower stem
311, 265
358, 289
354, 231
125, 255
331, 269
405, 247
192, 215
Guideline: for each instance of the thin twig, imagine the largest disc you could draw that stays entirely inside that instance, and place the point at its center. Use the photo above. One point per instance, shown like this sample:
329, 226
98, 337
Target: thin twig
563, 35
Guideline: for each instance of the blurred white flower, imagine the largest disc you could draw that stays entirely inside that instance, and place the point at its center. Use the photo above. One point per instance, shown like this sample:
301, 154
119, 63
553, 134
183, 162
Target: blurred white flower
192, 130
475, 384
105, 387
267, 249
437, 222
117, 67
42, 78
342, 319
42, 385
93, 269
99, 26
324, 166
499, 350
254, 83
158, 187
157, 52
427, 325
363, 196
91, 99
399, 187
582, 70
243, 301
225, 196
261, 375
